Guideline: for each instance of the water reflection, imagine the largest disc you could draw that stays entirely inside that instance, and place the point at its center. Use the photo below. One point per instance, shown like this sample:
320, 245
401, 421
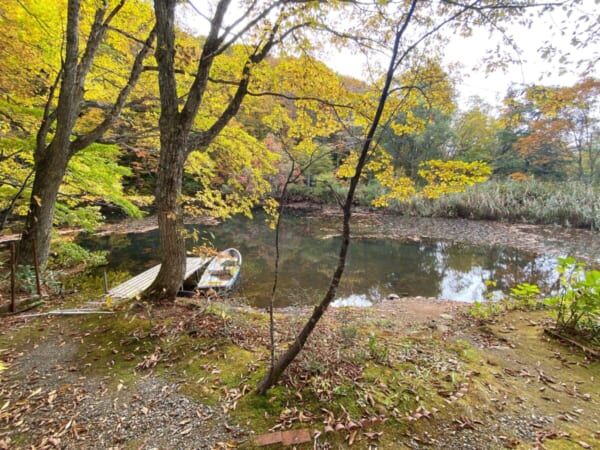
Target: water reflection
375, 267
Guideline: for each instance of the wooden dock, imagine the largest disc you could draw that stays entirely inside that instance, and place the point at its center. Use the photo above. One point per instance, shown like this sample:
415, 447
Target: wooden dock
141, 282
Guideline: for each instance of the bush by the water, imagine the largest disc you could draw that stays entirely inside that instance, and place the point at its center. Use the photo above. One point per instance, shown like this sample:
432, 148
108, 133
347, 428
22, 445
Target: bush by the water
69, 254
577, 304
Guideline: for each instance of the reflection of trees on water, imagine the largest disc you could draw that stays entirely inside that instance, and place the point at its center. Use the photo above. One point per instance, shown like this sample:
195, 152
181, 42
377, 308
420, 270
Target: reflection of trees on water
467, 268
375, 267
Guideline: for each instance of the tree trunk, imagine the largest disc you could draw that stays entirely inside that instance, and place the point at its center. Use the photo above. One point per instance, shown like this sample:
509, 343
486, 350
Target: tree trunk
175, 129
170, 219
49, 173
285, 360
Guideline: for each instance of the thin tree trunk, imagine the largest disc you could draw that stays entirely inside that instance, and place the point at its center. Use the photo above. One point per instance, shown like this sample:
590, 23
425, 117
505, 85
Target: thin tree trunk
284, 361
280, 211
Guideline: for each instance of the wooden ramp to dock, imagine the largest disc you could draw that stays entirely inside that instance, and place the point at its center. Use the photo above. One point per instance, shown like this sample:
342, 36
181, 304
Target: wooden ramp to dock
141, 282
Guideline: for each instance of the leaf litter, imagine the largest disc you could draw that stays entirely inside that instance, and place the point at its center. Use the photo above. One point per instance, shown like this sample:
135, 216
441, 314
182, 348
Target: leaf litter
420, 391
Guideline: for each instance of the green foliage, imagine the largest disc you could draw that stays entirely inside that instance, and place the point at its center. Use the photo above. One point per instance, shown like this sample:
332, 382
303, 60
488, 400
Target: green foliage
325, 190
86, 217
69, 254
94, 175
475, 135
16, 163
578, 303
25, 279
524, 296
488, 307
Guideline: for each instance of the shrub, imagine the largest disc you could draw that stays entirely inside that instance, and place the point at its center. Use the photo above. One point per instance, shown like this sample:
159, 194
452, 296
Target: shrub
523, 296
577, 304
69, 254
569, 204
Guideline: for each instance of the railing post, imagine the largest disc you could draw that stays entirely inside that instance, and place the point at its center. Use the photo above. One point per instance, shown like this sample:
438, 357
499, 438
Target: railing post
13, 307
105, 279
37, 269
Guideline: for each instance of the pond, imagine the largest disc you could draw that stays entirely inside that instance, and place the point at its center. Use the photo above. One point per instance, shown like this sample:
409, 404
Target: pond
376, 267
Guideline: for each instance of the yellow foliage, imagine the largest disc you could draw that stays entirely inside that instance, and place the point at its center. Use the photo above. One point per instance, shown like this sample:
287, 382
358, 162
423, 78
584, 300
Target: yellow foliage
400, 188
444, 177
271, 207
348, 168
231, 173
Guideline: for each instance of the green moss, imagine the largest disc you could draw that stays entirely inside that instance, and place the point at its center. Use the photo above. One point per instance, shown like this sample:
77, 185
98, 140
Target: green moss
258, 412
466, 350
208, 367
114, 345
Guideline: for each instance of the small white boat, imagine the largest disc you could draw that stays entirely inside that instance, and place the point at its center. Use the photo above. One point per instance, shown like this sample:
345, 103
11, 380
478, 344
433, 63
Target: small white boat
222, 272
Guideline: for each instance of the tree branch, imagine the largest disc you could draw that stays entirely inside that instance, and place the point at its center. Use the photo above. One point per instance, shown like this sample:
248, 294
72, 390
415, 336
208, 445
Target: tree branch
115, 112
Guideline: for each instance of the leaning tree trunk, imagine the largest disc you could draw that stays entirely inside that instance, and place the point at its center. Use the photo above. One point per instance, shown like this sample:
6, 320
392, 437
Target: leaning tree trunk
277, 369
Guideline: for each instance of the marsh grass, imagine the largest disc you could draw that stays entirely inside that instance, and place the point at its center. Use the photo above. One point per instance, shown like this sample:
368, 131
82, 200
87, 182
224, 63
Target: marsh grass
569, 204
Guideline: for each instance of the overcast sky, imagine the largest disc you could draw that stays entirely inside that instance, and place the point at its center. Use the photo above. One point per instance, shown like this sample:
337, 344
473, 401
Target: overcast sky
469, 53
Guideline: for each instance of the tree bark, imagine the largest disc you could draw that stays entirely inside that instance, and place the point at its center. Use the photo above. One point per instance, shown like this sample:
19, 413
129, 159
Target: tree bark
170, 219
49, 173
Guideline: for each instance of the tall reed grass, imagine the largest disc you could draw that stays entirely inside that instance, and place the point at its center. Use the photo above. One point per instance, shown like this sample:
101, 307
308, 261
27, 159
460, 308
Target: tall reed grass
570, 204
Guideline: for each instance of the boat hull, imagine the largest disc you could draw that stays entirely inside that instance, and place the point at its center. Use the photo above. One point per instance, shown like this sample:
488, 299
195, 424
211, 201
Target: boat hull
222, 272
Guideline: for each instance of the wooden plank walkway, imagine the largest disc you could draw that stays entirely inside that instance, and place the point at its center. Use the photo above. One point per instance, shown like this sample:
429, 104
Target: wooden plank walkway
139, 283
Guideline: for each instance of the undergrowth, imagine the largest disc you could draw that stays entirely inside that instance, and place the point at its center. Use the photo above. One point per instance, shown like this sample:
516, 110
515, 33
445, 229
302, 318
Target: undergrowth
575, 307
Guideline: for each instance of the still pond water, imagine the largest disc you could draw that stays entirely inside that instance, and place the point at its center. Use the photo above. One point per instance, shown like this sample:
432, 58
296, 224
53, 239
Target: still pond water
376, 266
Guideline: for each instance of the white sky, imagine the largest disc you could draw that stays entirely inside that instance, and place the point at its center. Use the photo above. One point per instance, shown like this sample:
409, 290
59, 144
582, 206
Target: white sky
470, 52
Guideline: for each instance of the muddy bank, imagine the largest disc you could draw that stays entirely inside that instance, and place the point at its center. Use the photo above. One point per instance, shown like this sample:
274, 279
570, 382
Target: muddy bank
552, 241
